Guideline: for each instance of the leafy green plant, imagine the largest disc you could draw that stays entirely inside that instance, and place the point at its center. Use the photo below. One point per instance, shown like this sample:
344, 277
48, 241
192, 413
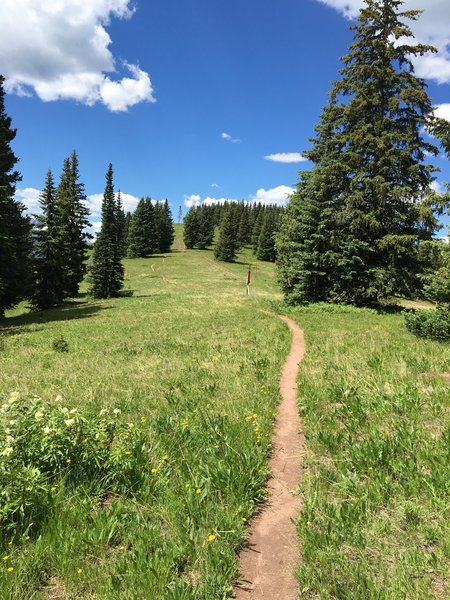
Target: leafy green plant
60, 344
431, 324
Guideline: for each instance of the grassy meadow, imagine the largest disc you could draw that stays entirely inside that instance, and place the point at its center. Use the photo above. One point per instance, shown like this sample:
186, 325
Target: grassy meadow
158, 409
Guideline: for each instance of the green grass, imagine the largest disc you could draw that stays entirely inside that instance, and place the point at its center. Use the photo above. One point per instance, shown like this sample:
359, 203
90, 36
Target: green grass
193, 366
375, 523
191, 360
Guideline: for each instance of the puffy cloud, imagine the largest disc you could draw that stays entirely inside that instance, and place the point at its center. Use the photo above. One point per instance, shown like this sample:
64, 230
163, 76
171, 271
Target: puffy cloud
286, 157
192, 200
229, 138
442, 111
30, 198
431, 28
215, 185
277, 195
445, 239
60, 49
94, 202
437, 187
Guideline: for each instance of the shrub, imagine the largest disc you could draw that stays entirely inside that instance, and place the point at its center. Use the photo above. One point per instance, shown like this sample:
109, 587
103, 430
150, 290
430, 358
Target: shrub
432, 324
44, 446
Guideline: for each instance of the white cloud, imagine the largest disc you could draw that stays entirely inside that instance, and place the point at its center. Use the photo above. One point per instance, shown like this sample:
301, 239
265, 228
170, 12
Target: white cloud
442, 111
286, 157
277, 195
437, 187
192, 200
60, 49
30, 198
96, 226
215, 185
445, 239
94, 202
229, 138
432, 27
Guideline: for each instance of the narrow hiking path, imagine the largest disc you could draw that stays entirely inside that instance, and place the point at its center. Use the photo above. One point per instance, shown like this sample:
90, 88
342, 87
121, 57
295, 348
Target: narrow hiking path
267, 566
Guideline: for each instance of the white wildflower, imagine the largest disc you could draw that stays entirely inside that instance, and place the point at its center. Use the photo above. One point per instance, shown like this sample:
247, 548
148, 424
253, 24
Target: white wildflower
39, 415
103, 412
69, 422
117, 411
12, 422
9, 439
14, 396
8, 451
58, 398
47, 430
73, 411
8, 431
65, 410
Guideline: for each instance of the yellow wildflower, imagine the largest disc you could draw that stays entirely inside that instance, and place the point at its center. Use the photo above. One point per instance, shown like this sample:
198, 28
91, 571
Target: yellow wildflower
211, 537
198, 491
5, 557
154, 471
10, 569
79, 571
121, 548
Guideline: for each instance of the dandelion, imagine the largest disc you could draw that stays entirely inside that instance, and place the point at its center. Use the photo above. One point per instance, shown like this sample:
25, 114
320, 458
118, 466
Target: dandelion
143, 419
154, 471
10, 569
244, 520
69, 422
79, 571
53, 488
216, 445
248, 419
121, 548
68, 461
127, 452
198, 491
211, 537
39, 415
117, 411
28, 489
165, 457
5, 557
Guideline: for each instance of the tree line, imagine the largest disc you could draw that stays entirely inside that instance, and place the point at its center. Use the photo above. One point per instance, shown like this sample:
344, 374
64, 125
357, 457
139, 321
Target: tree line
239, 224
44, 259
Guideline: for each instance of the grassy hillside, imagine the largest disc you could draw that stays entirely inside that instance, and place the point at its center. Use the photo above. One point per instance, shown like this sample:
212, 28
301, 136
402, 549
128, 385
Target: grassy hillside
151, 417
191, 363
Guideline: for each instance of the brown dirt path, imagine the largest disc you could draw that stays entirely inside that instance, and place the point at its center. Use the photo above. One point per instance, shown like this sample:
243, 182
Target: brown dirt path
268, 565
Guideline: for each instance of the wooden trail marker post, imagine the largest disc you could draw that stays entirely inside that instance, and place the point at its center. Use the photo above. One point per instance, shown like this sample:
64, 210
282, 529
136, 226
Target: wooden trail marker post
249, 278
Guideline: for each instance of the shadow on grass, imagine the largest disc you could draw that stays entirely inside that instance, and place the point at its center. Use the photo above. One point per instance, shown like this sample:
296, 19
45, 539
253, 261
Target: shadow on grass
68, 312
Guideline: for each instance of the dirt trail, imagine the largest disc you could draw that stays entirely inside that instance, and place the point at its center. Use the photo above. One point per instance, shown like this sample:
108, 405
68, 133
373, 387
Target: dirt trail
267, 566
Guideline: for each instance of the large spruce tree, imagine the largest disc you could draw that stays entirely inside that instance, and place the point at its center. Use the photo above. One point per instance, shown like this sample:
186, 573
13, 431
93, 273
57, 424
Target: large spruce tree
107, 273
48, 288
164, 226
73, 214
227, 244
15, 229
142, 234
353, 227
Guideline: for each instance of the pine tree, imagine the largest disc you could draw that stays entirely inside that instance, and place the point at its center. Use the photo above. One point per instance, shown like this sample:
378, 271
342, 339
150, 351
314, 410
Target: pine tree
15, 228
244, 227
142, 236
121, 225
164, 225
226, 247
266, 242
191, 229
48, 289
107, 273
73, 214
353, 228
206, 227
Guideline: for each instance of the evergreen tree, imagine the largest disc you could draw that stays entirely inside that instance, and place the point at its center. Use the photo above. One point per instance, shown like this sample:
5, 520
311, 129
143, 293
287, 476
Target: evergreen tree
266, 242
191, 229
107, 273
244, 227
164, 226
353, 227
121, 225
206, 227
226, 247
73, 215
15, 228
142, 236
128, 217
48, 289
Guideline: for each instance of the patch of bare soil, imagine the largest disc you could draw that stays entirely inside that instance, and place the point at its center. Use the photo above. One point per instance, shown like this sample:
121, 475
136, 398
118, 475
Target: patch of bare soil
267, 565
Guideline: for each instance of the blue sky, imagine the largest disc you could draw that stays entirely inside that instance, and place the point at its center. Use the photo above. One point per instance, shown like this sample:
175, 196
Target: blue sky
186, 99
